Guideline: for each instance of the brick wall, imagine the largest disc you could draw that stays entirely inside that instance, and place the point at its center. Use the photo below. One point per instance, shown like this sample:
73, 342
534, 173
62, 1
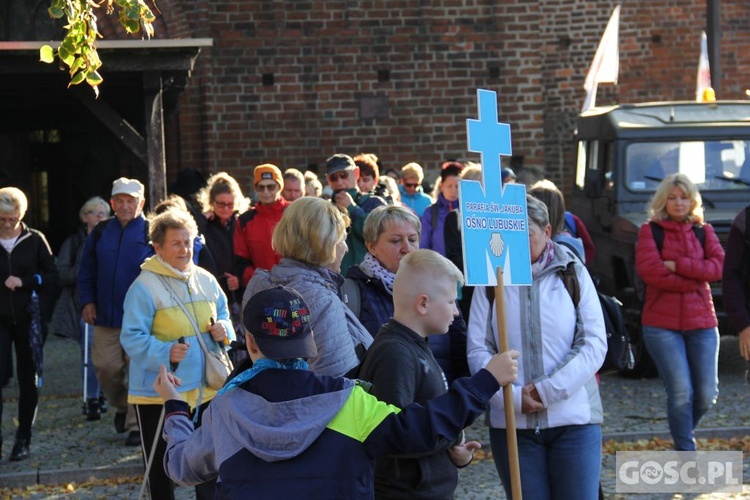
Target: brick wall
287, 81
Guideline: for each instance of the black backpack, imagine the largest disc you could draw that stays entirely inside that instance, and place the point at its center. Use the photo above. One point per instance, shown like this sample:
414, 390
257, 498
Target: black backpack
619, 349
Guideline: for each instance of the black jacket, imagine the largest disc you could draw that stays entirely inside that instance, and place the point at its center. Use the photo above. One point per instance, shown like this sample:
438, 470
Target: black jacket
220, 242
32, 261
403, 370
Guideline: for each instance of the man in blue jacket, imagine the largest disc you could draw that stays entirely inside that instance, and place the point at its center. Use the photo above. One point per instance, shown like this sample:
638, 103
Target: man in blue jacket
278, 430
111, 260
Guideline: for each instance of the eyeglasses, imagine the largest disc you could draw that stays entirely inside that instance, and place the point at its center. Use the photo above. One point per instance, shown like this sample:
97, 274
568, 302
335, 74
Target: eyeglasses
411, 184
224, 204
266, 187
338, 176
9, 220
97, 214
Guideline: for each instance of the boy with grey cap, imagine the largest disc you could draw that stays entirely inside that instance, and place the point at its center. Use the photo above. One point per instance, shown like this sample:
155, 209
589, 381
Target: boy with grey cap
279, 430
111, 260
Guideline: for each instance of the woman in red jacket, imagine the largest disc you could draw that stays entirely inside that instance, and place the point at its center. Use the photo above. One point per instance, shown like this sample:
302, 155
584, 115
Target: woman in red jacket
679, 323
254, 228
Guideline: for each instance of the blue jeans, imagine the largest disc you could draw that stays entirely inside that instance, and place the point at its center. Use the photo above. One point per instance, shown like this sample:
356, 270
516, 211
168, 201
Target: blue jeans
557, 463
90, 383
688, 363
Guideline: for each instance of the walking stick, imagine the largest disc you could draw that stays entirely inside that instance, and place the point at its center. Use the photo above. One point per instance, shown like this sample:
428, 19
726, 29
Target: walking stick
151, 454
86, 334
510, 416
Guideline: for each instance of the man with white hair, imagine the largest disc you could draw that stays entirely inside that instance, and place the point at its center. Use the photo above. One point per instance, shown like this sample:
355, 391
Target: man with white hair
111, 261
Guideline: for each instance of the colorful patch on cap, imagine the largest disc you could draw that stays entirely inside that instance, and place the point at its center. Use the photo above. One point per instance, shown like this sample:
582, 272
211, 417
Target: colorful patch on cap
266, 175
286, 320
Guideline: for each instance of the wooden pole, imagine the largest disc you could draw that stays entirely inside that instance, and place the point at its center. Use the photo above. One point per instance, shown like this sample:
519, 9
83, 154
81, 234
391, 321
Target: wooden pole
157, 164
510, 415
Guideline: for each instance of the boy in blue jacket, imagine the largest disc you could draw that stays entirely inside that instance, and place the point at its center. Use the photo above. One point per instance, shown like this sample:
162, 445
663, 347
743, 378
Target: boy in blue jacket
277, 429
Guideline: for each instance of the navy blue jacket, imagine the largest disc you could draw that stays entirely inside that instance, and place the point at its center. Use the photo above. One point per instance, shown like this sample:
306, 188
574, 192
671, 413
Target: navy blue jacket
111, 260
295, 434
376, 308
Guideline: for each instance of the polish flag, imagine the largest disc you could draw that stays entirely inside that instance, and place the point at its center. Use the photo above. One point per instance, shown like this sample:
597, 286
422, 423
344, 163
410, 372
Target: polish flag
606, 64
703, 81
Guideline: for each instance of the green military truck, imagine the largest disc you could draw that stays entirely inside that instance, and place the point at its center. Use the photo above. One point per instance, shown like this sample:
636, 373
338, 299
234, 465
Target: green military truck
623, 152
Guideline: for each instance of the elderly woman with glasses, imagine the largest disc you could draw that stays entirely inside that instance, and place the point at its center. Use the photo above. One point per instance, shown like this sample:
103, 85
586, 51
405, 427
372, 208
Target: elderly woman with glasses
254, 228
222, 202
311, 238
66, 318
171, 303
27, 266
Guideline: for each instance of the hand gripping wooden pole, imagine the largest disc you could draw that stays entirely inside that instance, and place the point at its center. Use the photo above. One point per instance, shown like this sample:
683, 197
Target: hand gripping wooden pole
510, 416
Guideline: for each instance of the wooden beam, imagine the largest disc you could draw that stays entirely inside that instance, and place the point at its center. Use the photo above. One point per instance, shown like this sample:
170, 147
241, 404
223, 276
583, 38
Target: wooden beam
169, 43
118, 55
111, 119
154, 109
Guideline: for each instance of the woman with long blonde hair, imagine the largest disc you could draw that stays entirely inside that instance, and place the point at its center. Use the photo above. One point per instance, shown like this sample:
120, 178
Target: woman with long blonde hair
677, 256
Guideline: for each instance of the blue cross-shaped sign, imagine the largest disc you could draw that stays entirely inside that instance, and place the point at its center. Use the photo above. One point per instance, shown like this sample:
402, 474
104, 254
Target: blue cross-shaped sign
493, 220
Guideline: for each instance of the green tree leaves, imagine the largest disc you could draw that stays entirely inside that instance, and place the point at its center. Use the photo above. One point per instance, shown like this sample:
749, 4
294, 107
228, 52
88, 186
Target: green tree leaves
78, 48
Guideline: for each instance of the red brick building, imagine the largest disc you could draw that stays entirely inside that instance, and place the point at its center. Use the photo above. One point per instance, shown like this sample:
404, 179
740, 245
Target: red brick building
292, 81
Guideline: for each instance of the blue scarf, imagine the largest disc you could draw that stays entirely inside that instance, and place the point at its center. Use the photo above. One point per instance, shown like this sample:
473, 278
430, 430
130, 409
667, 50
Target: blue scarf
259, 366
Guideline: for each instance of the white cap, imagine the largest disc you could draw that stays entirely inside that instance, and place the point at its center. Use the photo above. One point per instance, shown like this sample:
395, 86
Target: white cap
132, 187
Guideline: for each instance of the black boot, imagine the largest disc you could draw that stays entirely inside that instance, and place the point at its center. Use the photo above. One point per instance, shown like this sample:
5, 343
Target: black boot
93, 411
20, 450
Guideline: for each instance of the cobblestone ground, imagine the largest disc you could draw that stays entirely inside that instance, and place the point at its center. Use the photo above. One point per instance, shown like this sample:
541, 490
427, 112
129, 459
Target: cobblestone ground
68, 450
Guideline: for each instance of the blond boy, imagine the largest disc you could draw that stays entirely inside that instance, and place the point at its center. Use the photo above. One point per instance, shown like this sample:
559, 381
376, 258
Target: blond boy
403, 370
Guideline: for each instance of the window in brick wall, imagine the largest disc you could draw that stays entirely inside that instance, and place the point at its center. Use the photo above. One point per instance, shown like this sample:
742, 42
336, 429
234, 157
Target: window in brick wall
371, 107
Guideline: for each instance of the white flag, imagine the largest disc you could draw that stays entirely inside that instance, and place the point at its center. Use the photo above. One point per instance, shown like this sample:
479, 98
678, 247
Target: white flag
703, 81
606, 64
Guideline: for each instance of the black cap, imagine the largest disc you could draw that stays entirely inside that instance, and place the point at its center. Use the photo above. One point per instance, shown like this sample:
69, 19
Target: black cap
339, 162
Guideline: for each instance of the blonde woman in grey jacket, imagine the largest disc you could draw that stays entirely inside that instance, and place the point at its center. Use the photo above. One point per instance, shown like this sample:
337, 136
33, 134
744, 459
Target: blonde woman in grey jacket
311, 241
557, 406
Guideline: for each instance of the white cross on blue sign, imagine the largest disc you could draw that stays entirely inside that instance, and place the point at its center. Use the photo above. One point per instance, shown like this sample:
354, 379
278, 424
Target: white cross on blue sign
493, 220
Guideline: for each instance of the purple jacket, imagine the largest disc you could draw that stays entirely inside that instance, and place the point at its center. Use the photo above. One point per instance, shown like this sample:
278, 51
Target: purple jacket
433, 232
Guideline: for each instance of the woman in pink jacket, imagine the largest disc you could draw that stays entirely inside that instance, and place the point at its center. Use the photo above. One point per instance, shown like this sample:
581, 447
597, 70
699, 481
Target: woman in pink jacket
676, 257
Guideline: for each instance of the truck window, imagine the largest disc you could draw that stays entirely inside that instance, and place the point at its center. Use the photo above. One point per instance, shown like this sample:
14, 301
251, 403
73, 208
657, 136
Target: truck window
581, 164
586, 159
711, 165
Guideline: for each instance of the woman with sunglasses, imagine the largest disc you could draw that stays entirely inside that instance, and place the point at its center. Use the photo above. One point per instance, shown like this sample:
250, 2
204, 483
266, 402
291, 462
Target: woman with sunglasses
412, 194
252, 235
